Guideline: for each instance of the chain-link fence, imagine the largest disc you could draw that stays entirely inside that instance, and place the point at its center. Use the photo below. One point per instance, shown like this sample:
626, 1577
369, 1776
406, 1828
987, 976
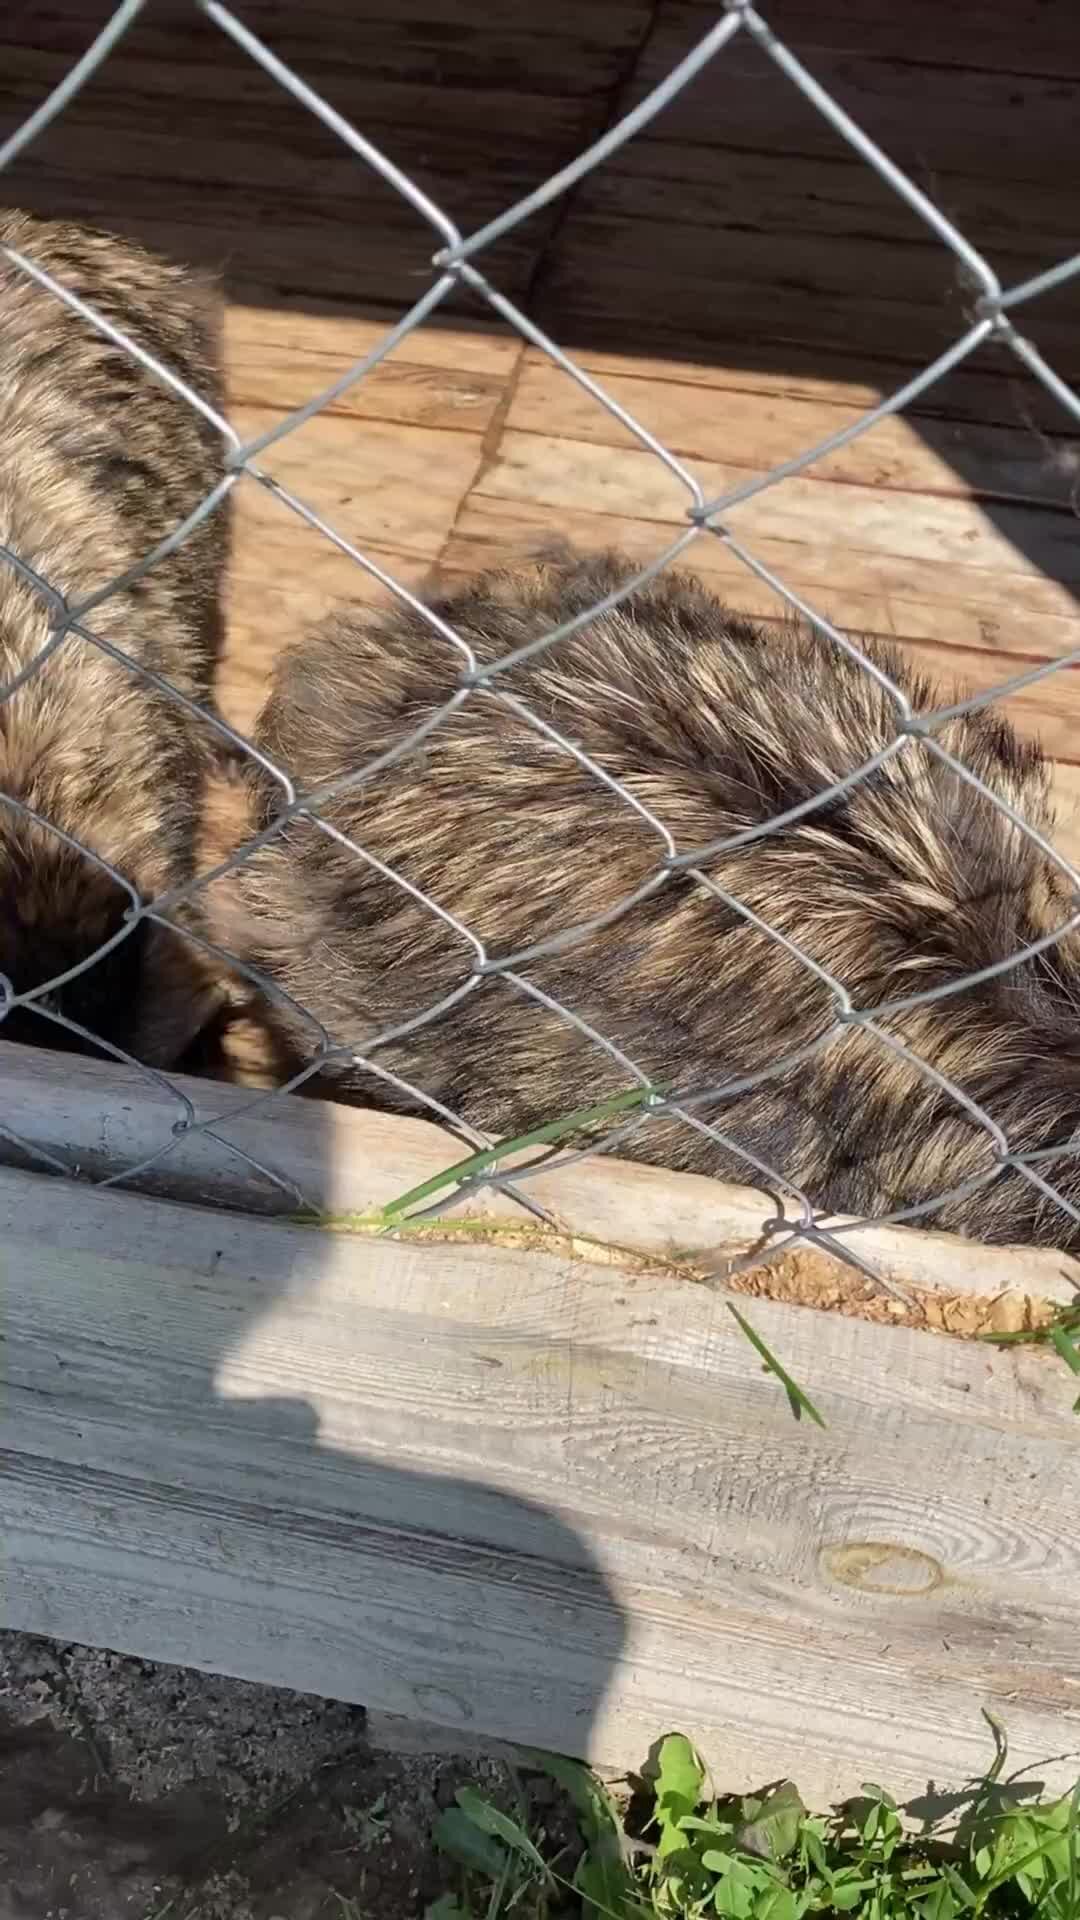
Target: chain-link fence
458, 262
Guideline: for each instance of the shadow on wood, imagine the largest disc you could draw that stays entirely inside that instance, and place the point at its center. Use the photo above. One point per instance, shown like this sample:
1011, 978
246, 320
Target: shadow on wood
180, 1487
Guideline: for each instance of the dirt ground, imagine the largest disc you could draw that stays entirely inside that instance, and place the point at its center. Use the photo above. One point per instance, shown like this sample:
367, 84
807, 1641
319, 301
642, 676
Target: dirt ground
132, 1791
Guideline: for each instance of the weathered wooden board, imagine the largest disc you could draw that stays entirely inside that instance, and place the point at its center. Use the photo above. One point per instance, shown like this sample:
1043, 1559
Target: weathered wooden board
741, 220
737, 426
387, 466
764, 285
99, 1121
391, 490
475, 104
1021, 73
443, 376
532, 1499
947, 531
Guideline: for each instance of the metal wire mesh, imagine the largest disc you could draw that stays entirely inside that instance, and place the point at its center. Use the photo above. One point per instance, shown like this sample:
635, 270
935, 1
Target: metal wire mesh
459, 261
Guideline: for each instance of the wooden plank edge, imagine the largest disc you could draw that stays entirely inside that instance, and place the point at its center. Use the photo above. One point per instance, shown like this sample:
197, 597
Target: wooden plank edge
98, 1120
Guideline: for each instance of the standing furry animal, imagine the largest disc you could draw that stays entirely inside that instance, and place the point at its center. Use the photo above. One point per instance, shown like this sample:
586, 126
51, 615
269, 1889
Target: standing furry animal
907, 881
99, 461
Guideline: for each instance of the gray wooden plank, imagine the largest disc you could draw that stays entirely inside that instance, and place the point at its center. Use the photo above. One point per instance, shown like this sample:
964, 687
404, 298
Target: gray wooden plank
548, 1502
263, 1155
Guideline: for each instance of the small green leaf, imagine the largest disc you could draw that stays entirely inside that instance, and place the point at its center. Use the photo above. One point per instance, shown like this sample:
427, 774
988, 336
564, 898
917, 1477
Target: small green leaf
1061, 1814
733, 1897
1064, 1346
680, 1776
845, 1898
499, 1826
874, 1792
546, 1135
813, 1848
607, 1890
775, 1832
597, 1813
938, 1904
446, 1907
798, 1401
454, 1833
603, 1878
962, 1892
775, 1903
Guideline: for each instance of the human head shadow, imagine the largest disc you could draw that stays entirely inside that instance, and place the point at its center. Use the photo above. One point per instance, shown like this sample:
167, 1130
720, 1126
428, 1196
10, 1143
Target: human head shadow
470, 1554
259, 1436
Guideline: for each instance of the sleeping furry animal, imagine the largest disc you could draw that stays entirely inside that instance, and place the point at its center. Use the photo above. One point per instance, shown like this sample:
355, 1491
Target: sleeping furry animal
99, 461
906, 882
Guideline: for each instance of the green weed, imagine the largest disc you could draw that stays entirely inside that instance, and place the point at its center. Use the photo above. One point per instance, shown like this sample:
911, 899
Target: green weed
695, 1855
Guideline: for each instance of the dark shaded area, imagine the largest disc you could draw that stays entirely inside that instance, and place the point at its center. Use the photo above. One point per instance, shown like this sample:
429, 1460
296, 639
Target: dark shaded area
247, 1491
738, 226
224, 1821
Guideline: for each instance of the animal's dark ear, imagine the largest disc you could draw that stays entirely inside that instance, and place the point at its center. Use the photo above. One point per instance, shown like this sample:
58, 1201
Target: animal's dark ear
552, 550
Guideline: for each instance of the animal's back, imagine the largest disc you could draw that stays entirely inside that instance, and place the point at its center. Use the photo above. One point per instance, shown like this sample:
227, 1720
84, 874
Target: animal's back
99, 462
713, 727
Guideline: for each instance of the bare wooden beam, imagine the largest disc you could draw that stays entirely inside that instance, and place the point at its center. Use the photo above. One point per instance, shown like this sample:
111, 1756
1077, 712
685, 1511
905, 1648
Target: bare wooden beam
530, 1498
103, 1121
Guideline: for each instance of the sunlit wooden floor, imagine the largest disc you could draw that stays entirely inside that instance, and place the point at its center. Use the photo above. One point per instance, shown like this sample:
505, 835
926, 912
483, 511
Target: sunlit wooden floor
735, 277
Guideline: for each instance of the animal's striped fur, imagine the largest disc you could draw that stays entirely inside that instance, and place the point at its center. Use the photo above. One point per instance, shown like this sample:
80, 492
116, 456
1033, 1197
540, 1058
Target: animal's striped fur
906, 882
99, 461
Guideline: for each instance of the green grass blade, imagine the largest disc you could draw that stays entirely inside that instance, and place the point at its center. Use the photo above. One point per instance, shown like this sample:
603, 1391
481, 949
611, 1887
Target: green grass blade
1073, 1834
1060, 1334
538, 1137
1070, 1354
500, 1826
454, 1833
798, 1401
1001, 1747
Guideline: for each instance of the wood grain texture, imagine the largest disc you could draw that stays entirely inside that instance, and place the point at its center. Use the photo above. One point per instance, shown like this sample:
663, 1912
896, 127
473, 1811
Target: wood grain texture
391, 490
743, 197
101, 1120
558, 472
736, 276
1030, 38
741, 427
475, 104
943, 607
1022, 73
504, 1492
386, 465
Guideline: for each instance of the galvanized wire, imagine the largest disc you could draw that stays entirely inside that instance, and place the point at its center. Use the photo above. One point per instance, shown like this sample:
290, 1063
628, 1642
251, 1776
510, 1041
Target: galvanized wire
456, 263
